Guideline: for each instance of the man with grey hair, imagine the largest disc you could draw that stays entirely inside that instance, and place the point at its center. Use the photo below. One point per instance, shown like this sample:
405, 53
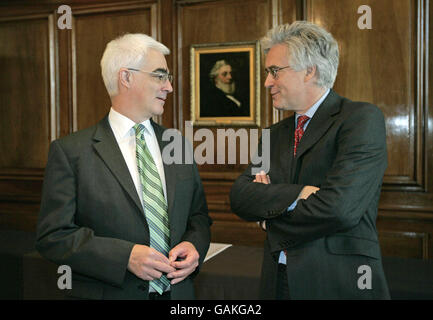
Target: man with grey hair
318, 202
129, 225
221, 100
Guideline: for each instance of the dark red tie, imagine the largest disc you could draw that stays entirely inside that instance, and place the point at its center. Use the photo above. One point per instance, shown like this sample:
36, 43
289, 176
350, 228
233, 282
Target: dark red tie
299, 131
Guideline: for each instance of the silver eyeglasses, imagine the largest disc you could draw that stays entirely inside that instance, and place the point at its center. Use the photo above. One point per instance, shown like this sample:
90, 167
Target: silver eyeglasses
274, 71
162, 76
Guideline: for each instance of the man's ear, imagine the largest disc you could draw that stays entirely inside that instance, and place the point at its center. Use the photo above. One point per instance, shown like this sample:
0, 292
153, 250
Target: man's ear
310, 73
125, 78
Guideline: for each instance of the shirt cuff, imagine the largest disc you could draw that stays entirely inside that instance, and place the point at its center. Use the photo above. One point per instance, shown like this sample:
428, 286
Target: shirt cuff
292, 206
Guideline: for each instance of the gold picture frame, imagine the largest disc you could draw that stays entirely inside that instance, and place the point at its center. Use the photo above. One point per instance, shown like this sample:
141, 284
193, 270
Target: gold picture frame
215, 99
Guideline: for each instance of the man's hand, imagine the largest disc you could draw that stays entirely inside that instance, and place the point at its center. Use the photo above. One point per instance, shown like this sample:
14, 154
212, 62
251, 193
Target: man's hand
148, 263
307, 191
262, 177
186, 252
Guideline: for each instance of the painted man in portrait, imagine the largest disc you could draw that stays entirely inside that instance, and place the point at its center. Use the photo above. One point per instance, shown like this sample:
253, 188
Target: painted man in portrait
223, 99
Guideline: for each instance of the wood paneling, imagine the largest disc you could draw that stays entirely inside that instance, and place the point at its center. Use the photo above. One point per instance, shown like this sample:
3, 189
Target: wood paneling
26, 96
284, 12
238, 233
380, 65
51, 86
225, 21
28, 114
408, 244
406, 233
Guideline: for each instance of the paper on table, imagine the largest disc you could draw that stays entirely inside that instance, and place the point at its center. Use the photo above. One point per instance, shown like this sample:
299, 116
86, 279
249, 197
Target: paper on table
216, 248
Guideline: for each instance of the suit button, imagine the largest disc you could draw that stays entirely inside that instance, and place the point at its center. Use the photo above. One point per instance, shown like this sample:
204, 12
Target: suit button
142, 287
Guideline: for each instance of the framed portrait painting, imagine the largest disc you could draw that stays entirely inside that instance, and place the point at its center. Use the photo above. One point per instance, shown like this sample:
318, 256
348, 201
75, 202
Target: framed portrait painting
225, 84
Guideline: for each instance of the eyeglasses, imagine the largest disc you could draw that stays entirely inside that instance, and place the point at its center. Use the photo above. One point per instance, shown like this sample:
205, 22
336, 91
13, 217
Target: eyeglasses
162, 76
274, 70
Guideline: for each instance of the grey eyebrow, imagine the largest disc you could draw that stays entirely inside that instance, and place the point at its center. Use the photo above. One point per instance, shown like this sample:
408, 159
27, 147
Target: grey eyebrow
160, 70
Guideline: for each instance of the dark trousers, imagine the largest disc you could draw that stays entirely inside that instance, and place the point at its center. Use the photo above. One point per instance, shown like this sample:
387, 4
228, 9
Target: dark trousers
157, 296
282, 284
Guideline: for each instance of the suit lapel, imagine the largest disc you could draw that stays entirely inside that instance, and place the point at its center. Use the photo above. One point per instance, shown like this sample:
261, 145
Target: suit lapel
320, 123
169, 170
107, 148
286, 142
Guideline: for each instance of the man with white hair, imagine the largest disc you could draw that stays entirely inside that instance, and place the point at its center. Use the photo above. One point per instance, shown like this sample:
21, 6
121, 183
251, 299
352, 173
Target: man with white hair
318, 202
129, 225
221, 100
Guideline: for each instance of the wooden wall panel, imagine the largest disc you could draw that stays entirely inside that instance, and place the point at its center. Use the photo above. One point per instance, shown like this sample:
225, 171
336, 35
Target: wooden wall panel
285, 12
26, 97
406, 233
91, 101
27, 114
409, 244
165, 30
379, 65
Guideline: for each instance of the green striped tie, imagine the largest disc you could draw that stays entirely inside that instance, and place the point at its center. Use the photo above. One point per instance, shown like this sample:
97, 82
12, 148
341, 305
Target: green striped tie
155, 205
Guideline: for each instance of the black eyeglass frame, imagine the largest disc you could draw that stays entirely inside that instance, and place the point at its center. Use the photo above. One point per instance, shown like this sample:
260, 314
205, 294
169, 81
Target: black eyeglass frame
163, 77
274, 71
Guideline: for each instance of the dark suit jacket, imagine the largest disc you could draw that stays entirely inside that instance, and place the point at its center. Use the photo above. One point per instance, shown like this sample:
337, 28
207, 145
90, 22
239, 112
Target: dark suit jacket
332, 233
91, 215
214, 103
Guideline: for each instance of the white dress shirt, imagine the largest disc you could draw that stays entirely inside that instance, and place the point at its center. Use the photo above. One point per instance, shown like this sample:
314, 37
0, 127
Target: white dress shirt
123, 129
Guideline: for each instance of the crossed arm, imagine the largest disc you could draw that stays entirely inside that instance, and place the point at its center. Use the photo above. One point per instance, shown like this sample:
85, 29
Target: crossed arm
350, 188
262, 177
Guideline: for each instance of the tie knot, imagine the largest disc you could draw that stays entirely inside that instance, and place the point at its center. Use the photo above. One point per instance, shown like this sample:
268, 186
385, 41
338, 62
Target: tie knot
301, 121
139, 128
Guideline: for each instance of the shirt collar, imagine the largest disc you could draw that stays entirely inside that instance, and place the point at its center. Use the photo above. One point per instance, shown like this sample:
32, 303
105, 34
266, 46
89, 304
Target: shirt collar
311, 111
122, 125
148, 125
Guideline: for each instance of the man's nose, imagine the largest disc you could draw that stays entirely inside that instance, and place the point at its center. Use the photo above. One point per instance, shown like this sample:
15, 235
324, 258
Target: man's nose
168, 87
269, 82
